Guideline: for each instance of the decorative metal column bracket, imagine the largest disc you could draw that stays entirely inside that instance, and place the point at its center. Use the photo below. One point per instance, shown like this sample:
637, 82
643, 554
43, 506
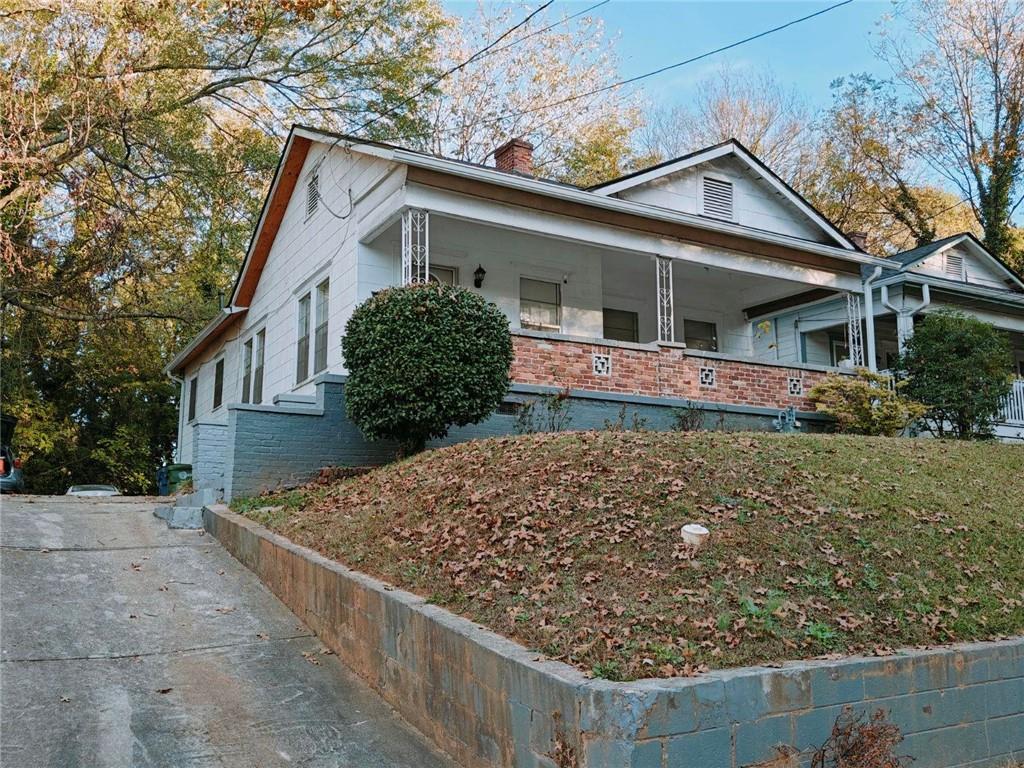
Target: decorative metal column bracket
854, 338
415, 246
666, 325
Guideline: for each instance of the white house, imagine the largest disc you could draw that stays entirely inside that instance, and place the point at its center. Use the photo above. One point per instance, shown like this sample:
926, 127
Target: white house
704, 280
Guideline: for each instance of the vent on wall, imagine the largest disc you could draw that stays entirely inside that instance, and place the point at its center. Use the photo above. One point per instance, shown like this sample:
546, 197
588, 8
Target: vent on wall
312, 193
954, 265
717, 198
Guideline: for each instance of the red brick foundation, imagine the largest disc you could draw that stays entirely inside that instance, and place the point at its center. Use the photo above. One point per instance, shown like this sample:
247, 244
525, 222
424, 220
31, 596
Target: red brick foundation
662, 372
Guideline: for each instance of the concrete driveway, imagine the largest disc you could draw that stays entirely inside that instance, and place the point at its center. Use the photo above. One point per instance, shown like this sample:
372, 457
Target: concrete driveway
128, 644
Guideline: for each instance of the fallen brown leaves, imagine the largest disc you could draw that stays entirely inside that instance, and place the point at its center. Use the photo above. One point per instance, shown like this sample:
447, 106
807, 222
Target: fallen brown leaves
570, 543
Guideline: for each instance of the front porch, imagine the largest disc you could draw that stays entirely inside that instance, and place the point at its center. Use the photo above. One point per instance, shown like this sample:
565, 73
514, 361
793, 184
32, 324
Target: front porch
593, 317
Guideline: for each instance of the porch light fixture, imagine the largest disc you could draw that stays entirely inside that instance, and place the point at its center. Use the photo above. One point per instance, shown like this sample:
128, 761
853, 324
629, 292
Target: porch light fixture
478, 276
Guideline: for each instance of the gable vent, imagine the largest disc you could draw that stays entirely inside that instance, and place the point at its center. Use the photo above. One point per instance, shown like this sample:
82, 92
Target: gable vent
717, 198
312, 193
955, 265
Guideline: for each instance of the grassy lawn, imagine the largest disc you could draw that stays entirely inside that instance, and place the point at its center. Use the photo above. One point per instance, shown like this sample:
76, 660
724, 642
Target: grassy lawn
569, 543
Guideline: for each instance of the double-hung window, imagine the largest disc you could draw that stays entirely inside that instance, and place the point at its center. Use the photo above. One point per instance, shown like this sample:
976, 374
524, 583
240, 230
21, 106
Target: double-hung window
218, 384
257, 370
621, 325
323, 298
193, 396
252, 368
246, 369
302, 349
700, 335
540, 305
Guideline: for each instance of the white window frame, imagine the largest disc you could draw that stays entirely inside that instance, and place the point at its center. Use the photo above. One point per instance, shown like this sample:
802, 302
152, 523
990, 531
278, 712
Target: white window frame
257, 349
192, 407
519, 302
700, 194
713, 323
220, 359
302, 376
447, 268
322, 306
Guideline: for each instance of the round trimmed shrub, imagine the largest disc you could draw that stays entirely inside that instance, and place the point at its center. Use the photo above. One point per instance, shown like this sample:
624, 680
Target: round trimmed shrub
961, 368
423, 358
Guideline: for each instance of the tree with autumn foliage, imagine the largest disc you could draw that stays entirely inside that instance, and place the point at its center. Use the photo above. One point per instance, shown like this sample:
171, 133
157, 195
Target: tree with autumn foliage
137, 142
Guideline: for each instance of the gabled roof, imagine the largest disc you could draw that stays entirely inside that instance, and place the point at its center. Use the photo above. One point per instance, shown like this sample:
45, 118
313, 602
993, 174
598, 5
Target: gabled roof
736, 149
301, 138
907, 259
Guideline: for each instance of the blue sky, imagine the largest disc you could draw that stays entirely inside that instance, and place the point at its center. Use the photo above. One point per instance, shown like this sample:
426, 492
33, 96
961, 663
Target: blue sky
808, 56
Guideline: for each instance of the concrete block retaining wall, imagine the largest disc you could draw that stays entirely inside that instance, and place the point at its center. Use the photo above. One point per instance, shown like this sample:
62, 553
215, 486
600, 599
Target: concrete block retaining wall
290, 440
210, 443
489, 702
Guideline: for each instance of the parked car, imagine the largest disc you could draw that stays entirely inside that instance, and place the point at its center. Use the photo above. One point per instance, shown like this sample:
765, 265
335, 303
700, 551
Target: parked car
11, 478
92, 490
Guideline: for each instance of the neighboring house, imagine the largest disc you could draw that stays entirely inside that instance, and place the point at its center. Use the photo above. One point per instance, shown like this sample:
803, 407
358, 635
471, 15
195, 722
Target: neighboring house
695, 282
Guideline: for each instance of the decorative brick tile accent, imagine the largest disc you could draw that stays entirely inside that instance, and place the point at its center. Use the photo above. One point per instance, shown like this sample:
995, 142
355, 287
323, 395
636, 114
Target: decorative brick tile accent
602, 364
660, 372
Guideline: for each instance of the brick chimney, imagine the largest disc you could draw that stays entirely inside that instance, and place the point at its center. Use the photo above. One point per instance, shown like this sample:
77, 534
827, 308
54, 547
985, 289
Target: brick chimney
515, 156
860, 239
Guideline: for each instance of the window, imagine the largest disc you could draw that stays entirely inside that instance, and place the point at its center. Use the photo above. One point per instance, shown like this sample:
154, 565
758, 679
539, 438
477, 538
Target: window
953, 265
444, 275
312, 192
700, 335
257, 372
252, 369
323, 299
302, 351
620, 325
246, 369
839, 350
218, 384
717, 197
540, 305
193, 395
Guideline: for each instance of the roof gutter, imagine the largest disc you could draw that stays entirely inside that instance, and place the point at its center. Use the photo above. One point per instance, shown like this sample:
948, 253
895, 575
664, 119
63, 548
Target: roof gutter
525, 184
593, 199
992, 294
211, 329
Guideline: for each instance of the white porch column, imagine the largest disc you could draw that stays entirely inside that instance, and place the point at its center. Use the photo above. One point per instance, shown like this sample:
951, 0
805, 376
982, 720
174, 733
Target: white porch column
415, 246
869, 312
666, 323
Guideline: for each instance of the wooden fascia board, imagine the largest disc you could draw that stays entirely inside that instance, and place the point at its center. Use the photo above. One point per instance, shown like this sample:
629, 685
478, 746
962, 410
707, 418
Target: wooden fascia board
276, 205
213, 334
677, 231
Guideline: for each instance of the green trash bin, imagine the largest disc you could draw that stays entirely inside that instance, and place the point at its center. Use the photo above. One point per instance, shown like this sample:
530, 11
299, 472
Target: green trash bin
178, 475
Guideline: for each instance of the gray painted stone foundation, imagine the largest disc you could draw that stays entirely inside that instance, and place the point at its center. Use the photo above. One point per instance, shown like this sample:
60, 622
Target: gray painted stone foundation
490, 702
288, 441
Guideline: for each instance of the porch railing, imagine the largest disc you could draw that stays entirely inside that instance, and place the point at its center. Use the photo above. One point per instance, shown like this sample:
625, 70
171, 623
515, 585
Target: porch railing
1012, 411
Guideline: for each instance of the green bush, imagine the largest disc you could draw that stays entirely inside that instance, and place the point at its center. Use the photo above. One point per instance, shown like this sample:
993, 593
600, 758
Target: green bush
423, 358
961, 368
865, 404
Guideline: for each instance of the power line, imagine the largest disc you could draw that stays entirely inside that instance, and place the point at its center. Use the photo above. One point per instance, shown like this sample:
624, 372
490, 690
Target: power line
483, 51
561, 21
461, 66
652, 73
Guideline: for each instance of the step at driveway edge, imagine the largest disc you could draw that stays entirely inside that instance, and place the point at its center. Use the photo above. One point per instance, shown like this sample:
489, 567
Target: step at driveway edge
488, 701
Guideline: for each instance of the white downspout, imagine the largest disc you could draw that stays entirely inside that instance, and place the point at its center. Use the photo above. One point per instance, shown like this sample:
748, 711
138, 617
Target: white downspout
181, 411
869, 313
905, 315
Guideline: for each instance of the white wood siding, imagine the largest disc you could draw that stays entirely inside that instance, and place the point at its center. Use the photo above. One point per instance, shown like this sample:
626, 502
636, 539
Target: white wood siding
755, 203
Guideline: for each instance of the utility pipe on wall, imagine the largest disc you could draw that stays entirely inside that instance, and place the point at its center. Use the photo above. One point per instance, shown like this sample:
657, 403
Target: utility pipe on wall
904, 314
869, 318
